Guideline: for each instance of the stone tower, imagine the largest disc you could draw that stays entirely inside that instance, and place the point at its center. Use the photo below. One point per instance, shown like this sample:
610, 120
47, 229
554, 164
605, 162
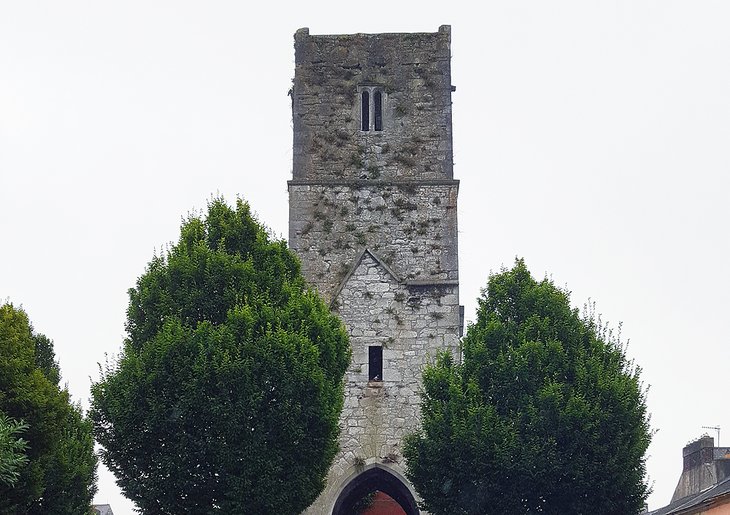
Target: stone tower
372, 216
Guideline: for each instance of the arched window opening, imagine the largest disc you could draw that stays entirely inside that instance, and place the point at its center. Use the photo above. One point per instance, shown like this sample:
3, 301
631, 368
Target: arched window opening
372, 108
378, 100
374, 480
365, 111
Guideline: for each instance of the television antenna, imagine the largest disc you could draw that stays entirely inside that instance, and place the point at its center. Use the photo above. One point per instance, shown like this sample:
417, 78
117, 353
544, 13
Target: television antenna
714, 428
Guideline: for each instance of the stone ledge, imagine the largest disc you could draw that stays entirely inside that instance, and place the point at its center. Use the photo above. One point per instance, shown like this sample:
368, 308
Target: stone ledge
427, 282
364, 182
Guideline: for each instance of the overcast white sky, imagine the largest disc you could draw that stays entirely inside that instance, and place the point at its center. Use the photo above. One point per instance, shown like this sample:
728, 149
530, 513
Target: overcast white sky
591, 138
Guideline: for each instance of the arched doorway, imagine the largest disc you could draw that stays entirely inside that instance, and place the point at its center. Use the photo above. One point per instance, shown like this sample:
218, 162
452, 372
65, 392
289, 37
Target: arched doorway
371, 480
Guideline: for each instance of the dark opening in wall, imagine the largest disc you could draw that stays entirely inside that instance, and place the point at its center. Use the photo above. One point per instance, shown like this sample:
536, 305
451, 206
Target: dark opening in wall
375, 363
372, 108
365, 111
378, 99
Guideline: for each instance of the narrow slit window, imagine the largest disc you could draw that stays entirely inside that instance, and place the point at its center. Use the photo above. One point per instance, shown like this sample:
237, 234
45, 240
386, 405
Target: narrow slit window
365, 111
375, 363
378, 108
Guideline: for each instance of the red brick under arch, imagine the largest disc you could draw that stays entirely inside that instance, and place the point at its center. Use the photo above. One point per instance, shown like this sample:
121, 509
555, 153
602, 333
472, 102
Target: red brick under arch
383, 504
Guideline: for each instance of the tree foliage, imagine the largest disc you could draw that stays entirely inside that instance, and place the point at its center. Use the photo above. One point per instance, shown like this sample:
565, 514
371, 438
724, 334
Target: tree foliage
544, 415
59, 475
12, 449
227, 394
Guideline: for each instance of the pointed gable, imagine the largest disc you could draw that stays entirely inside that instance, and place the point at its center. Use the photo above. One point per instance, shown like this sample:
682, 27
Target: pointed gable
367, 268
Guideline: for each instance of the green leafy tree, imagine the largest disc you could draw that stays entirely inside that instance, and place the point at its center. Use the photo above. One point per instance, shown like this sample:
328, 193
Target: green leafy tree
71, 477
45, 358
227, 394
55, 480
12, 449
544, 415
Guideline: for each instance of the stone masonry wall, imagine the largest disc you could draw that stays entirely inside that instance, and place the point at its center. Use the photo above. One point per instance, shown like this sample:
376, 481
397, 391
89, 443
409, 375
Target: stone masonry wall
411, 226
412, 324
414, 71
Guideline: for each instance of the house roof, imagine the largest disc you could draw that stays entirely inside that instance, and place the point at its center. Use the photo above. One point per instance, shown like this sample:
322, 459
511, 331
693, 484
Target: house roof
102, 509
704, 498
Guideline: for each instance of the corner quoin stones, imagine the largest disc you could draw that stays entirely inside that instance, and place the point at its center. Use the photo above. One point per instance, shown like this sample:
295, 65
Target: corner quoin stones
372, 216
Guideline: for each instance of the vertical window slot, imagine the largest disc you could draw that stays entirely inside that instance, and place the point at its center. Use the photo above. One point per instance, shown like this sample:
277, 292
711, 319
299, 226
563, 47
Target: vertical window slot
375, 363
378, 108
365, 111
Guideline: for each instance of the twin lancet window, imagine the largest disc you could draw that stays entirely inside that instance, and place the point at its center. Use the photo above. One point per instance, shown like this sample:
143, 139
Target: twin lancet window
371, 108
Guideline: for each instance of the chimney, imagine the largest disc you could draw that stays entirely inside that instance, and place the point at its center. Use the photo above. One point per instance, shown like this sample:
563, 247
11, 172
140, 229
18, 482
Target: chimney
703, 466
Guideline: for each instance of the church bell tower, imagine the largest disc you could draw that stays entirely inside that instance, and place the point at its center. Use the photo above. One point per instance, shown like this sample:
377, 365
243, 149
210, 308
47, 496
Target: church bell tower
372, 216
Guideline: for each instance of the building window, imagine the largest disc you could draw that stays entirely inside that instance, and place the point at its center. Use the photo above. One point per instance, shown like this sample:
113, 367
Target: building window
375, 363
371, 108
378, 107
365, 111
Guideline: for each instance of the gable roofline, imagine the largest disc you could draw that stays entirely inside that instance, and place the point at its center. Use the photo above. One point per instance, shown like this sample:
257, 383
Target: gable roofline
354, 266
703, 499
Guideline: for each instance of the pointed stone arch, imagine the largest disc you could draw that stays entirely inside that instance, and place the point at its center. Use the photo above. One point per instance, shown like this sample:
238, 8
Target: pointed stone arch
356, 263
375, 478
